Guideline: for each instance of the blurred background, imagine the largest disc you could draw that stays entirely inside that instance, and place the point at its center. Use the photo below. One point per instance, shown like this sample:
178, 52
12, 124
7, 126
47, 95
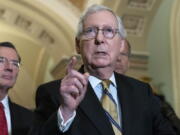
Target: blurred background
43, 32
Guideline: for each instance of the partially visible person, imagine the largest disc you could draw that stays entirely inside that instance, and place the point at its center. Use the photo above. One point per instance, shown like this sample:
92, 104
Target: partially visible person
123, 62
169, 113
14, 119
166, 109
122, 67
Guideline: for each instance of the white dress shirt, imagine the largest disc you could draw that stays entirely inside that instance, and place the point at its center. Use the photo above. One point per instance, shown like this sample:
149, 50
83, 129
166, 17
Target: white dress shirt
97, 87
5, 103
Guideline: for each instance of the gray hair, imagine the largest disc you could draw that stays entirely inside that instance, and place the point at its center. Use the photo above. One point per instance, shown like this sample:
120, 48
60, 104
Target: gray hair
96, 8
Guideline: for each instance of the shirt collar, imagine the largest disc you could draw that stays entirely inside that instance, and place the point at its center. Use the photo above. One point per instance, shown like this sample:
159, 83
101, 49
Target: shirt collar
94, 81
5, 102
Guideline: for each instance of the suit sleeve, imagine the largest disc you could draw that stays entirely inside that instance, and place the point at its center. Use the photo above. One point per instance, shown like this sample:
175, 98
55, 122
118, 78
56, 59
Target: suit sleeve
45, 114
161, 125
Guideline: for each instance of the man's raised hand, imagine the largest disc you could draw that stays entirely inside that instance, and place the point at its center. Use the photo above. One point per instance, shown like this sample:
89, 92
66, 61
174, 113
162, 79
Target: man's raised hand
72, 90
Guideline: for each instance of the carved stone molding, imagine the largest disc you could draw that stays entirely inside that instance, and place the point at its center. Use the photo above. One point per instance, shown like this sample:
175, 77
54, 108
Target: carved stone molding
79, 4
139, 61
134, 24
144, 4
26, 24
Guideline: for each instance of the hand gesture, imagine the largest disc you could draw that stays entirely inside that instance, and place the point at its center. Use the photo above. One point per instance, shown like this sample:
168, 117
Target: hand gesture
72, 90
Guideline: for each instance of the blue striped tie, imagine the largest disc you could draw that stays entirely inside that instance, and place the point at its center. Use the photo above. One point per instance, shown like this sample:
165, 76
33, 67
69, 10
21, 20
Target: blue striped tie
110, 108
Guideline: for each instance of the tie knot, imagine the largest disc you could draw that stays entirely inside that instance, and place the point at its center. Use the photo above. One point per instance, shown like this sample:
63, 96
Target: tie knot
105, 84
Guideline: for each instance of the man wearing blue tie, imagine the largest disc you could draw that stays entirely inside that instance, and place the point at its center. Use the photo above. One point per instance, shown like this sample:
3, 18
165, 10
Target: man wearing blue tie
74, 105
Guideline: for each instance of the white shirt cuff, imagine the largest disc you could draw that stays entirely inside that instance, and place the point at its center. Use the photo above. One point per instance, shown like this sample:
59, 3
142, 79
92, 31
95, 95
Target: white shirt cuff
64, 126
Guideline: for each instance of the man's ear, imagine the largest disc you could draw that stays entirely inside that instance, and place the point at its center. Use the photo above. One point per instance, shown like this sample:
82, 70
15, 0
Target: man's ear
77, 45
122, 42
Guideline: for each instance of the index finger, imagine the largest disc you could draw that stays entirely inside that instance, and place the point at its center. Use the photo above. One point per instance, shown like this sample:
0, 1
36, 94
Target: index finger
71, 64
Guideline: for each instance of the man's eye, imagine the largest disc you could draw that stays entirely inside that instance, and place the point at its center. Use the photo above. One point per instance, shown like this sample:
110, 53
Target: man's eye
1, 61
15, 63
109, 30
89, 30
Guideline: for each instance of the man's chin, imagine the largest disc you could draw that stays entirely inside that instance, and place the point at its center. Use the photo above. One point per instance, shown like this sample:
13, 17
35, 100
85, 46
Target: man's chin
100, 65
7, 85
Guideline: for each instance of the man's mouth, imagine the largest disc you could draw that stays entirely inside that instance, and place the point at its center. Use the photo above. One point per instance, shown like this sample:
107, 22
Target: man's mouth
8, 77
101, 53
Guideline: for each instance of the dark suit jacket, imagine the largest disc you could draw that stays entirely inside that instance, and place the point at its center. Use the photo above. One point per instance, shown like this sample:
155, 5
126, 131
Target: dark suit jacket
21, 119
140, 111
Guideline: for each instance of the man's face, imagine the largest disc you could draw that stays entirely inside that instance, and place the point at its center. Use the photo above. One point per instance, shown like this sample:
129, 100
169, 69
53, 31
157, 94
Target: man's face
122, 64
100, 52
8, 68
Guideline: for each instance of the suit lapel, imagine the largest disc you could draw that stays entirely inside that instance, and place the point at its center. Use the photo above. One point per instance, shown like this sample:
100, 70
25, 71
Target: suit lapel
12, 114
93, 109
125, 100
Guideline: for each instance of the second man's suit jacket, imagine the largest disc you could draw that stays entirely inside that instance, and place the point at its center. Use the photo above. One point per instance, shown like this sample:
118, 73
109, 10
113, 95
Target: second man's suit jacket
140, 111
21, 119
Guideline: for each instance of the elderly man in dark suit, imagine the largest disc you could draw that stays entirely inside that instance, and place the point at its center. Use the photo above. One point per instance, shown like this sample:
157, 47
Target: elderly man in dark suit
14, 119
96, 100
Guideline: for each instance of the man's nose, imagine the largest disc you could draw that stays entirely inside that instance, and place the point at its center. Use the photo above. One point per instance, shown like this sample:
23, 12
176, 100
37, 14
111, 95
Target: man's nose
99, 38
8, 65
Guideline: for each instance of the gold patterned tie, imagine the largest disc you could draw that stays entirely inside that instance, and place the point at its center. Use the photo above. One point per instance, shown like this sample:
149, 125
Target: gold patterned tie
109, 105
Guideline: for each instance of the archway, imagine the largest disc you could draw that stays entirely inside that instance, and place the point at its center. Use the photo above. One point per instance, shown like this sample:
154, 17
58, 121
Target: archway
175, 55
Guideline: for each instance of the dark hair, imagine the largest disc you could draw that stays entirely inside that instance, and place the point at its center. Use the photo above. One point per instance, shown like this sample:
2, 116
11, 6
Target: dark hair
10, 45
